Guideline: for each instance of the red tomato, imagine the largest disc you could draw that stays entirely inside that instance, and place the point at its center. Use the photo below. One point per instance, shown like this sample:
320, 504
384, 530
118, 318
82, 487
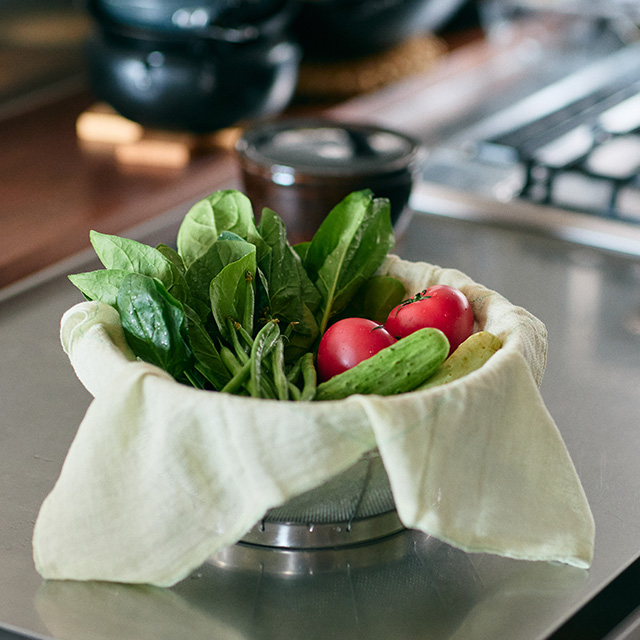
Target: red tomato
440, 306
348, 342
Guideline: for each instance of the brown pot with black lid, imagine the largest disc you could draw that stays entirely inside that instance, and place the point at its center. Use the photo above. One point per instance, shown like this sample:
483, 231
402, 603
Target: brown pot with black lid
301, 168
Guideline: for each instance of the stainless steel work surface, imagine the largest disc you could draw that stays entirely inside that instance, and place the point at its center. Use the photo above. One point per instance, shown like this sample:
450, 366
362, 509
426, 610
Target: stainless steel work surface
407, 586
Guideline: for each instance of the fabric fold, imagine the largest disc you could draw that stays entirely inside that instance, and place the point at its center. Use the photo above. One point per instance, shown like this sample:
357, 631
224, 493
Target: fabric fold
524, 501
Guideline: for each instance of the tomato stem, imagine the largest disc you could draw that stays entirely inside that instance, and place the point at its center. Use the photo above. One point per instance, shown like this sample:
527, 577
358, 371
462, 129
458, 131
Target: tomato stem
421, 295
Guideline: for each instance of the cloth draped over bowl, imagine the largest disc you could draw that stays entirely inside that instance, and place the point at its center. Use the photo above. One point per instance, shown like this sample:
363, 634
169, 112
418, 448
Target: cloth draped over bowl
160, 476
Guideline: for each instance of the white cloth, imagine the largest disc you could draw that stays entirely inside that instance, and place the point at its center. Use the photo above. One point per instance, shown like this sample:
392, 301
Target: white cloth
160, 476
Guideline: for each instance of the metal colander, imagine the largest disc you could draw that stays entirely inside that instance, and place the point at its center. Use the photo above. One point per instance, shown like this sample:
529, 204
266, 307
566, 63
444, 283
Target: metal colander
354, 507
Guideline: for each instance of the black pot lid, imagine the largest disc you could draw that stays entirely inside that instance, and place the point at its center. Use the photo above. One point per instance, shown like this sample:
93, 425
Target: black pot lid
227, 20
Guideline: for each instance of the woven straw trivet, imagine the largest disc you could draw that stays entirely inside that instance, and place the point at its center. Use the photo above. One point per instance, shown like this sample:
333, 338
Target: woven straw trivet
345, 78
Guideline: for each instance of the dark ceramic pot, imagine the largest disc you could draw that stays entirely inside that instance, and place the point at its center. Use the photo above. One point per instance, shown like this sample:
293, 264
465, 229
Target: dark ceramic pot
196, 78
335, 28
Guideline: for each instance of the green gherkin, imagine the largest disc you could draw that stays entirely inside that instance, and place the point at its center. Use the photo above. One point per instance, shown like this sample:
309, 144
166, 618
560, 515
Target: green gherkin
395, 369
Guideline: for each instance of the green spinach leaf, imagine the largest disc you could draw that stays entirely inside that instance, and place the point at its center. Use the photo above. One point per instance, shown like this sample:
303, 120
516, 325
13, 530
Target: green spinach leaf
154, 323
289, 287
347, 249
135, 257
375, 299
225, 210
205, 268
171, 254
102, 285
207, 357
302, 249
232, 292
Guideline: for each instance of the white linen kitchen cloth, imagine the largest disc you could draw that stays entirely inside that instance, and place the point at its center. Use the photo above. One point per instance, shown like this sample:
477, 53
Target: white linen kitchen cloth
160, 476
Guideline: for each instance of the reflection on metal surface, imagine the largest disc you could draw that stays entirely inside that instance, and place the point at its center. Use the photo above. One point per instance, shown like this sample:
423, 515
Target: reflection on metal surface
632, 321
409, 587
579, 228
311, 561
293, 535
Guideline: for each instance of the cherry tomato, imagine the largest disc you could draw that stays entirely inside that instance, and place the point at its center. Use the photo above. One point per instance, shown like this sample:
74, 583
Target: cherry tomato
440, 306
348, 342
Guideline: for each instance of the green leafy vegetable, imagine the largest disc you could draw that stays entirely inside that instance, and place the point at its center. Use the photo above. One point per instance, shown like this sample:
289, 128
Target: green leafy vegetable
102, 285
204, 269
172, 255
135, 257
345, 252
302, 248
228, 292
291, 296
207, 357
154, 323
226, 210
376, 298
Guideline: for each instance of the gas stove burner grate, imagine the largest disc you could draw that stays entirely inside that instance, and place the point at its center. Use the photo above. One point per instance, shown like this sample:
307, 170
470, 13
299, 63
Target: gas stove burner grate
581, 152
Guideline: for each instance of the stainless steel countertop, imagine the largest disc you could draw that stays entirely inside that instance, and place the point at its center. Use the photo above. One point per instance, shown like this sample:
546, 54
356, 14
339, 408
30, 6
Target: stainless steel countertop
408, 586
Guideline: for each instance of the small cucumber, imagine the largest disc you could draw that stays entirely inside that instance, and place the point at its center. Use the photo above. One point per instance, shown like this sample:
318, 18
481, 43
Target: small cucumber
395, 369
468, 357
